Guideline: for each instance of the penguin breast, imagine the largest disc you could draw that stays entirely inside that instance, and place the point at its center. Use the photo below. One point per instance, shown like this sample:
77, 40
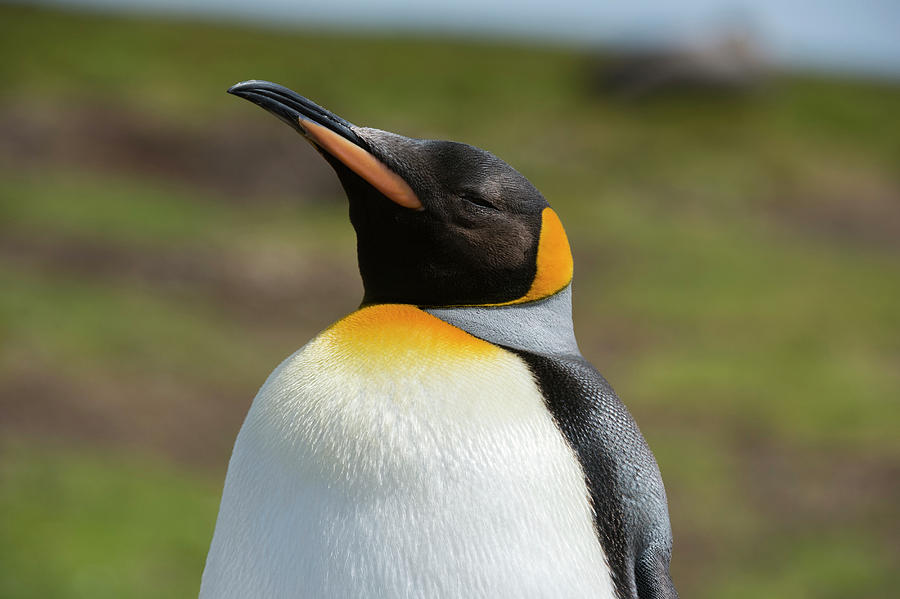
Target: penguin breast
396, 456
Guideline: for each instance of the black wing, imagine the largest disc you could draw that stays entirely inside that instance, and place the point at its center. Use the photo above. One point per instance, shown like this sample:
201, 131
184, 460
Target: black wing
626, 490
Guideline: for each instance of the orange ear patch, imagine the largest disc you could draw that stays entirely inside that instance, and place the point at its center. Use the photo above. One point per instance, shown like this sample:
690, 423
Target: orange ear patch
363, 164
554, 259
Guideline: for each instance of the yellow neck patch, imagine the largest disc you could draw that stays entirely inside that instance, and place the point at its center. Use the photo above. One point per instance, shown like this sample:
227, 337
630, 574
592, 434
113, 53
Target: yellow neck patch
399, 335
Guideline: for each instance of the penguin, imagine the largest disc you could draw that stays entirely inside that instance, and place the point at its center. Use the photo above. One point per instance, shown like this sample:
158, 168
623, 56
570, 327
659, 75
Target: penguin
447, 439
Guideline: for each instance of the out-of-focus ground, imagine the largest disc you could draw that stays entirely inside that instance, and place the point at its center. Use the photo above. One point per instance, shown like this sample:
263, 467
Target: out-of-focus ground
163, 246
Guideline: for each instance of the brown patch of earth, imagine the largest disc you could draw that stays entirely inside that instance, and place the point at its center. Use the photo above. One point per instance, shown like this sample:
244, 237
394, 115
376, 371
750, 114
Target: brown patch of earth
238, 159
260, 288
867, 213
186, 423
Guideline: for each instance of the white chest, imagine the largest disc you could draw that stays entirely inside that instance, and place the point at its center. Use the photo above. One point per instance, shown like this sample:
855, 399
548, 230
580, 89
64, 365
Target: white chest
391, 457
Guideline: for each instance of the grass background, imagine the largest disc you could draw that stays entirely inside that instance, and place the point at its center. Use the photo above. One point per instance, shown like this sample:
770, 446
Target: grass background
164, 245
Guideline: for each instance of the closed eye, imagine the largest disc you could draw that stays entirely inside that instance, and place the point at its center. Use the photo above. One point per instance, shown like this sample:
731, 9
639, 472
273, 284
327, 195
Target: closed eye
474, 198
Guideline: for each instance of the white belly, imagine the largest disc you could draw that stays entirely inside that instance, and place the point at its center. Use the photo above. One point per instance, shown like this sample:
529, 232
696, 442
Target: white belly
413, 463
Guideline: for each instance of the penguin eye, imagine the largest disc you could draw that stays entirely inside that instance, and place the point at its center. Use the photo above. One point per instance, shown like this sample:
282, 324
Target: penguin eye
474, 198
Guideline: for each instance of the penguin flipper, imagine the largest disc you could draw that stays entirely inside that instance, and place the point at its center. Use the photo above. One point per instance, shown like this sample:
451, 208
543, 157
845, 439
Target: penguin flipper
622, 476
651, 575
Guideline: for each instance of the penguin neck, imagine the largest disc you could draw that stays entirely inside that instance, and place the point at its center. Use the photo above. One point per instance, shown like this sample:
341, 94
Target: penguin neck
540, 327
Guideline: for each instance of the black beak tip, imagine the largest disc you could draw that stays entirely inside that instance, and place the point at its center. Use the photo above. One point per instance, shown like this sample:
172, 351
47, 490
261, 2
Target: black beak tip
241, 88
289, 106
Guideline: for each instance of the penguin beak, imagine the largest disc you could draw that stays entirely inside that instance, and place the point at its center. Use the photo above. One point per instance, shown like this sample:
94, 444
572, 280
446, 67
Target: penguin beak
330, 134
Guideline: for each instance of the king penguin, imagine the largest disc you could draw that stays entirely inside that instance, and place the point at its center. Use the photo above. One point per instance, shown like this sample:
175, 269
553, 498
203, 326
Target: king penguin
447, 439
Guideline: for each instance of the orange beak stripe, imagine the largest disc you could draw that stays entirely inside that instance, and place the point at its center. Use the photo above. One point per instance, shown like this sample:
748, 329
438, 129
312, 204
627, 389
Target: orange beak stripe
363, 164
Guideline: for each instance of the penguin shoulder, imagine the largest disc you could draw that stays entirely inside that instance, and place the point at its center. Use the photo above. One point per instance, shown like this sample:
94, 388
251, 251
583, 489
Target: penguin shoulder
385, 365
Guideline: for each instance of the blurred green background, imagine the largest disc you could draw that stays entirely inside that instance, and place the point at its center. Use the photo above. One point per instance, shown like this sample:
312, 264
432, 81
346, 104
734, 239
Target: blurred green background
163, 246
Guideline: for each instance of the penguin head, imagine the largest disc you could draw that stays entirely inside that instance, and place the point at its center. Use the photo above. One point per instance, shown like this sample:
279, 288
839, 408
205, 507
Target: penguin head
438, 223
